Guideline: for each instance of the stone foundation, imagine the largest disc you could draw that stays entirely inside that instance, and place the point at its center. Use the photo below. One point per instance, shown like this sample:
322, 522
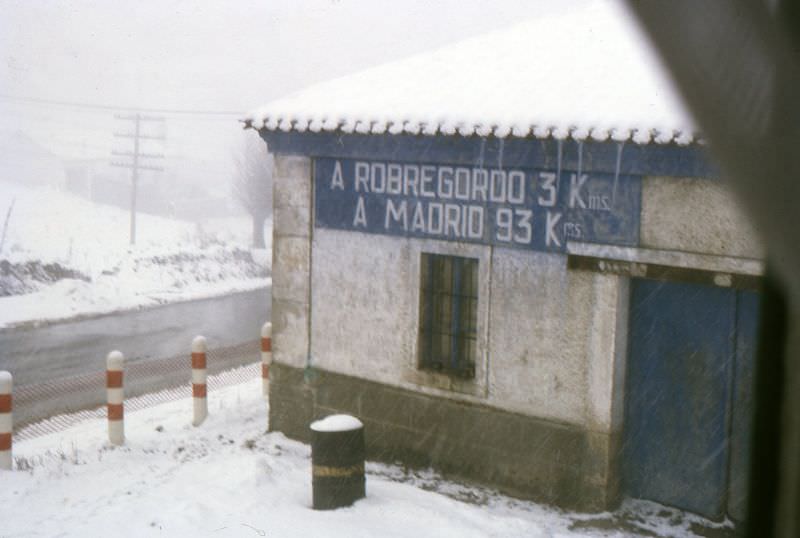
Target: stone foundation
543, 460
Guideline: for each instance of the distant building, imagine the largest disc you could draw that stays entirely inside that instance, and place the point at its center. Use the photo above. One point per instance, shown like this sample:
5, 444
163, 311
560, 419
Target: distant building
173, 193
513, 261
88, 178
23, 160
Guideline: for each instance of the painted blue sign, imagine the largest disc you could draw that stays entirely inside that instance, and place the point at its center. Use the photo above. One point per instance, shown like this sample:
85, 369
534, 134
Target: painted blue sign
518, 207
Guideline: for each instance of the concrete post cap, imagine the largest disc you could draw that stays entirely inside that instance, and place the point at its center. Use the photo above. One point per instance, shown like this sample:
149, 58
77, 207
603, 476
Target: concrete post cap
6, 381
115, 360
266, 330
199, 344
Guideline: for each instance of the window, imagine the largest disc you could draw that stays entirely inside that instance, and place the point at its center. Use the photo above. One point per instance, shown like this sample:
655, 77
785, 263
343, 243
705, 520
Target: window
448, 314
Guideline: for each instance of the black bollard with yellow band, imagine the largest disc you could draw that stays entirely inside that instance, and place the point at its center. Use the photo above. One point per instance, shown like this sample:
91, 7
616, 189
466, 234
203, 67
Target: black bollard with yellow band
337, 458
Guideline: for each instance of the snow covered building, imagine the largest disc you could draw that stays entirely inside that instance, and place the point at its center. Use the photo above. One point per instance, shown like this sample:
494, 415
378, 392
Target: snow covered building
512, 259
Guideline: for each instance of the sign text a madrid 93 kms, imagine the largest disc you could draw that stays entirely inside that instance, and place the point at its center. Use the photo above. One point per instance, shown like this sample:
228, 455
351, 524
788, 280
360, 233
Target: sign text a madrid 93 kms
519, 207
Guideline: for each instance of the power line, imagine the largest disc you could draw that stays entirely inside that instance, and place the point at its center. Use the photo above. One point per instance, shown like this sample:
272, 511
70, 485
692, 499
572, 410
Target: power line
90, 120
91, 106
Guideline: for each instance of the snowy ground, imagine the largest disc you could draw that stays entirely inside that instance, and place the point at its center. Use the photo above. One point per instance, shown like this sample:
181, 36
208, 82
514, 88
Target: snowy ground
230, 478
63, 256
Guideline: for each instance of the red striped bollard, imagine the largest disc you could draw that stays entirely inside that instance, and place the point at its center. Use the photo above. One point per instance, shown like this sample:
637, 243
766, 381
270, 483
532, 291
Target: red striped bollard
199, 390
266, 355
6, 422
115, 364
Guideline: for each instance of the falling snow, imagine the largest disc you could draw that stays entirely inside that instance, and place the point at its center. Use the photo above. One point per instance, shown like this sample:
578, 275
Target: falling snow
230, 478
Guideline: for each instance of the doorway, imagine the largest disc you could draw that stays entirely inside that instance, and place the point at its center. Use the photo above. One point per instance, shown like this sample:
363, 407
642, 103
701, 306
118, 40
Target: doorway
688, 411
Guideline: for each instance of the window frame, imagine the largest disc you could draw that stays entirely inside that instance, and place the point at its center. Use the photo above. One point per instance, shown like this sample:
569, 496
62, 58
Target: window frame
448, 315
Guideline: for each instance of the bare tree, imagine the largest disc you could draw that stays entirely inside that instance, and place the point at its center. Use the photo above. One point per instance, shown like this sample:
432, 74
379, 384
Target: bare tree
252, 184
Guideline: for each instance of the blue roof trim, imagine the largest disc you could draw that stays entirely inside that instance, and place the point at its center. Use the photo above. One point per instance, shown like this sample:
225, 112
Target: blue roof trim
635, 159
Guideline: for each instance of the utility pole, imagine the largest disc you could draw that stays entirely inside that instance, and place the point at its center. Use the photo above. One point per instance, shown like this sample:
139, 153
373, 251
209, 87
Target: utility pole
136, 155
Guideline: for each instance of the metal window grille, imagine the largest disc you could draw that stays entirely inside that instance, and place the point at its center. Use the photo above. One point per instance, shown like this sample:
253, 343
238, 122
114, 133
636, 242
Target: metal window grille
449, 314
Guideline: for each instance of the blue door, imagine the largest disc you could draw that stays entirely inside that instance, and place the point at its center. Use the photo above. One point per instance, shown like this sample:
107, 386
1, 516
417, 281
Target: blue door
684, 355
742, 405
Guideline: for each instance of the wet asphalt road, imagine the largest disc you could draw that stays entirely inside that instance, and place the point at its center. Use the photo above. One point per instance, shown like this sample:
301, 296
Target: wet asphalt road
37, 355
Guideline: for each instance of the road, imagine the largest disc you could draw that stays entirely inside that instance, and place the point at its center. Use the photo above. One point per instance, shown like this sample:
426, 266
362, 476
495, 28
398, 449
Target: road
61, 350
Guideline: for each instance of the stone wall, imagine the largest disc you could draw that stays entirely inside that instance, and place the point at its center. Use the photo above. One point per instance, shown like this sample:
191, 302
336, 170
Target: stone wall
521, 455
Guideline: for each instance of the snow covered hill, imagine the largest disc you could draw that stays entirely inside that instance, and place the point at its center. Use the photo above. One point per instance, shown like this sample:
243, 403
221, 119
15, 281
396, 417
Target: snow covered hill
62, 256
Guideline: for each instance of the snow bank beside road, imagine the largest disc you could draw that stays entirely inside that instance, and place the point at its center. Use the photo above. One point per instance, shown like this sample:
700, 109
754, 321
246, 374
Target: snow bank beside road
64, 256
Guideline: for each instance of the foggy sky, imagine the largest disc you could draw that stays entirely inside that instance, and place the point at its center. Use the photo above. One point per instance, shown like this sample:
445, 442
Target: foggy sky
192, 55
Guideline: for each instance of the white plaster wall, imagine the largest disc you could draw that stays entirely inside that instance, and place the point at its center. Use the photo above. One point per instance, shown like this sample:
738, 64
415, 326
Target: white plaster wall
606, 351
365, 309
362, 309
551, 342
540, 316
695, 215
535, 319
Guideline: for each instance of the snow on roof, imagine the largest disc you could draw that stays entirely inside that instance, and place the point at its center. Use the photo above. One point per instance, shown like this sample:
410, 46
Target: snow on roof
587, 72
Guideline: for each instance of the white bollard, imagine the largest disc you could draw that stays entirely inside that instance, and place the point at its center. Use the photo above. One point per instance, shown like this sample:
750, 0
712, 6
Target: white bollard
199, 390
6, 421
266, 355
115, 365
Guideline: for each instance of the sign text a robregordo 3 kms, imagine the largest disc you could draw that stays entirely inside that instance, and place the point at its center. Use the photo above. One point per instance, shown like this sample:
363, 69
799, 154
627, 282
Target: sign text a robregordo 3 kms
516, 207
